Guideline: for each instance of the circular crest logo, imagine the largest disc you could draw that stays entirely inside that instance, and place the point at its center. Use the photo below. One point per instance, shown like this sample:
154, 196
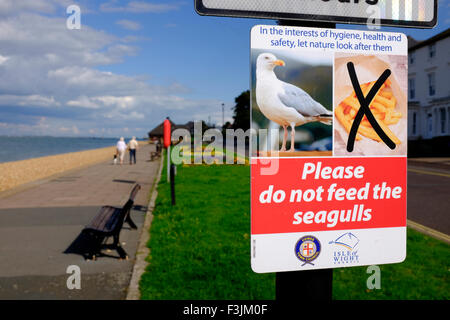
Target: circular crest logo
307, 249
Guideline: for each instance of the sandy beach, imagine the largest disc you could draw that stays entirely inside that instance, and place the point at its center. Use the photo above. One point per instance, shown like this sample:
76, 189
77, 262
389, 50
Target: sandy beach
16, 173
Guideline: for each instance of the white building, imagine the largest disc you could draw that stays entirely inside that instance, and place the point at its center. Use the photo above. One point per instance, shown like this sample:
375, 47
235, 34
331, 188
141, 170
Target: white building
429, 87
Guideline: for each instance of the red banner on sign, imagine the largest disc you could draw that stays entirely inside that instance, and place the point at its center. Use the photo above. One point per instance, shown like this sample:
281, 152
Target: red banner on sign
319, 194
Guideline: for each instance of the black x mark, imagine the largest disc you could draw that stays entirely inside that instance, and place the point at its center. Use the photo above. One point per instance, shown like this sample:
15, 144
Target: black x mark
365, 110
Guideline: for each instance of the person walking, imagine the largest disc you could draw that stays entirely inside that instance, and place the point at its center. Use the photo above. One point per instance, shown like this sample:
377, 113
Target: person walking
133, 145
121, 148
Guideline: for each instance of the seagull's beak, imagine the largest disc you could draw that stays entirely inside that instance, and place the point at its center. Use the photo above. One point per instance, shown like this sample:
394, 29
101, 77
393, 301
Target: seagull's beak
279, 63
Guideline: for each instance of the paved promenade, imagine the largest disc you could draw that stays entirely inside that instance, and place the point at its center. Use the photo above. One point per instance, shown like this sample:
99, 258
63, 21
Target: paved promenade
39, 222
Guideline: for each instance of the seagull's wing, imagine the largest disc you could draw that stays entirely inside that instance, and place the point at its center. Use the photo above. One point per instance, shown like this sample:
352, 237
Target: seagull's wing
298, 99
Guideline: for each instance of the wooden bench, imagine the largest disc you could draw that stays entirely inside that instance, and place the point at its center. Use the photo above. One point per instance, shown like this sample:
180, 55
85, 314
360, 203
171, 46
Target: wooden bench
154, 154
157, 153
107, 223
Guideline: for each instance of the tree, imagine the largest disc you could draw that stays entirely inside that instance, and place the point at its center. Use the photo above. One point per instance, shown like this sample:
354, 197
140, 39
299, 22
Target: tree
241, 117
228, 125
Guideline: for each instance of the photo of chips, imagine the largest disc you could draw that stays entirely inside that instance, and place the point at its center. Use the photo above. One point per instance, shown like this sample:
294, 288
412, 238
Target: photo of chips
383, 107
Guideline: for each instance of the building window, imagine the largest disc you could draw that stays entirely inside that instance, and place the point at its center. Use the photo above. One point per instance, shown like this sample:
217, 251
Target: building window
432, 50
412, 88
412, 57
414, 123
443, 119
431, 84
430, 124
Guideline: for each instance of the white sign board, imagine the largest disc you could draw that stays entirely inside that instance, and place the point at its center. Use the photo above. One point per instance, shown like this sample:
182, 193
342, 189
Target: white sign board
409, 13
333, 192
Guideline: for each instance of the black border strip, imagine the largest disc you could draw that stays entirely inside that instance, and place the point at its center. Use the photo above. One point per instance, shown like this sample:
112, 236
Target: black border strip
204, 11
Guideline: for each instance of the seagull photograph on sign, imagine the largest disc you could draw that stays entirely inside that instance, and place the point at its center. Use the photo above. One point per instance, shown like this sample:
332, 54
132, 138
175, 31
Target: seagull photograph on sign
294, 98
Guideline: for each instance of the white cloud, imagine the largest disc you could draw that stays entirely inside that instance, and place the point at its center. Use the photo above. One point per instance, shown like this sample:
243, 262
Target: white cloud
43, 38
3, 59
129, 24
116, 115
133, 38
50, 83
83, 102
34, 100
119, 102
40, 127
139, 7
13, 7
73, 130
105, 101
38, 100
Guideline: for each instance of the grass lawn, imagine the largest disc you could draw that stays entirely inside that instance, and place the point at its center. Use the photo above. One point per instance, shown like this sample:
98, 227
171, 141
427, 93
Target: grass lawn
423, 275
200, 249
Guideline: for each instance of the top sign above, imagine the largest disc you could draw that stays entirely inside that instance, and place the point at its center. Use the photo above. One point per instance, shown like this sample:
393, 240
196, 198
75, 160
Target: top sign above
404, 13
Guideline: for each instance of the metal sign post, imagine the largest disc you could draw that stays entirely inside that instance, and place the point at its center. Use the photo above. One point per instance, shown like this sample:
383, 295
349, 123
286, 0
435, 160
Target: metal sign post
316, 283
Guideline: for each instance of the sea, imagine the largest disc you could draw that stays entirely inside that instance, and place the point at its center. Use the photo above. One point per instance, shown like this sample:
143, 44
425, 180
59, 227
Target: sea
21, 148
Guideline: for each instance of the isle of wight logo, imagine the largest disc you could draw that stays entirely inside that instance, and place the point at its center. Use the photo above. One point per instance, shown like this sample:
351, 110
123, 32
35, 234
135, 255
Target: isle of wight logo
345, 249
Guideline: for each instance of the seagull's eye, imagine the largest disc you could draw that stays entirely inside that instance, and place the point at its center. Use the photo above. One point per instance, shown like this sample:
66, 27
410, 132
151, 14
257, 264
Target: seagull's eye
267, 58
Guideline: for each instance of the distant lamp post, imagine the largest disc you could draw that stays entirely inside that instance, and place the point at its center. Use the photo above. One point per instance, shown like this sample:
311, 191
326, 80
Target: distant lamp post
223, 115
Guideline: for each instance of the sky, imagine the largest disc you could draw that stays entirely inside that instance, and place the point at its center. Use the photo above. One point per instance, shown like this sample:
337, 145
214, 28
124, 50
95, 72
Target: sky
131, 64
